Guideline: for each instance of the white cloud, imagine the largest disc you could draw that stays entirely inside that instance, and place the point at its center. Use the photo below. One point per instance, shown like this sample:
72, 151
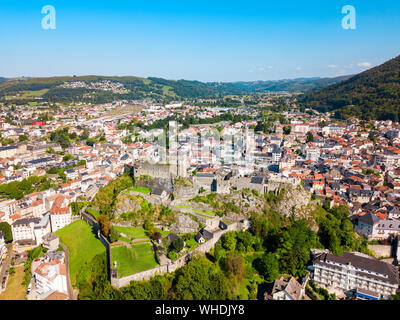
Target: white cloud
251, 70
364, 64
270, 67
298, 68
261, 69
332, 66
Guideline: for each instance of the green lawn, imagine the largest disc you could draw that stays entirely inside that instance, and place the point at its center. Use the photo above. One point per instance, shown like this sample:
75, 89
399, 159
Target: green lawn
140, 189
34, 93
210, 213
121, 238
82, 244
133, 232
94, 212
133, 259
183, 206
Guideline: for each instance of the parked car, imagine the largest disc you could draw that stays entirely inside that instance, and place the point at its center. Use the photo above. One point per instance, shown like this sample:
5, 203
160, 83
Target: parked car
29, 288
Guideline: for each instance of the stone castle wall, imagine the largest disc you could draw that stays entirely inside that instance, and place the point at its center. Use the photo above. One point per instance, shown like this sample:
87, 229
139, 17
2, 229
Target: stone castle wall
179, 263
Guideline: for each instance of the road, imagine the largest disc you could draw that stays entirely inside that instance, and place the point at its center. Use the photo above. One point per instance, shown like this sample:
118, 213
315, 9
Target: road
5, 264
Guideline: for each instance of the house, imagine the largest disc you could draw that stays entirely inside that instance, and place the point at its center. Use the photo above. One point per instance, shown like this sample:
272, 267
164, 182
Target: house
203, 235
42, 228
285, 289
362, 196
38, 208
172, 237
9, 208
366, 225
51, 241
54, 295
51, 276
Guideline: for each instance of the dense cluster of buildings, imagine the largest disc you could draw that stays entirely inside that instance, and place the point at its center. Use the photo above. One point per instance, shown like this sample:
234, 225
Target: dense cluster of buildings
353, 163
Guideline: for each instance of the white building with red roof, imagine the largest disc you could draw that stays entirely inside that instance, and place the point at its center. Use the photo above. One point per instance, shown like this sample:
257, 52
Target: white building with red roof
51, 277
60, 212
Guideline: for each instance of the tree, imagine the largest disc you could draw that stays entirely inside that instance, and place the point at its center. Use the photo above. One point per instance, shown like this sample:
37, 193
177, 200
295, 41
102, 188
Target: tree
269, 267
229, 241
23, 138
114, 235
172, 255
90, 142
310, 137
7, 232
235, 266
246, 239
200, 280
148, 226
68, 157
157, 236
178, 244
104, 224
294, 250
287, 130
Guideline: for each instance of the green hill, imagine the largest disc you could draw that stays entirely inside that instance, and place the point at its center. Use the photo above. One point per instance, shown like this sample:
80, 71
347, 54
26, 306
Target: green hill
48, 89
83, 246
373, 94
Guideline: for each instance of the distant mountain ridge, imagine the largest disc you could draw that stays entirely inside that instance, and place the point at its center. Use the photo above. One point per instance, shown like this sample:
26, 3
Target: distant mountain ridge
373, 94
291, 85
153, 87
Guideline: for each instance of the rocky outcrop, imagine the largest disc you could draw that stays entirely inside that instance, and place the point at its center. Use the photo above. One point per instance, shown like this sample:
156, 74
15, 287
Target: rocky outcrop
294, 200
127, 203
184, 224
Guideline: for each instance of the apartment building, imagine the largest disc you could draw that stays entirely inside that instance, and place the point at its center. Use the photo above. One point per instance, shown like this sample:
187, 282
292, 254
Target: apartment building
51, 276
355, 271
30, 230
60, 213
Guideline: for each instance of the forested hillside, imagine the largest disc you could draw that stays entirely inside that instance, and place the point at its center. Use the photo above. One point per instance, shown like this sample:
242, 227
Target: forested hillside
51, 90
373, 94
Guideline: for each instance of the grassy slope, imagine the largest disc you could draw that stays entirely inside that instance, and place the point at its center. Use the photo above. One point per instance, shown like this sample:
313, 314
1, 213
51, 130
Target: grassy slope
133, 259
82, 244
135, 233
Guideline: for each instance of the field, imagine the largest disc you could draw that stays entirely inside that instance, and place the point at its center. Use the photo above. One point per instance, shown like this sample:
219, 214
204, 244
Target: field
82, 244
126, 109
29, 94
140, 189
133, 232
15, 290
133, 259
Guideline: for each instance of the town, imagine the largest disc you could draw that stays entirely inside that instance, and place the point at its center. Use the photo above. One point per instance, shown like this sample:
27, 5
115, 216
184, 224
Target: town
152, 185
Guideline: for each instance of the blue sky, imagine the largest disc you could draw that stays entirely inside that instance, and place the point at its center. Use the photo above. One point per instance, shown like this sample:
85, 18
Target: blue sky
197, 40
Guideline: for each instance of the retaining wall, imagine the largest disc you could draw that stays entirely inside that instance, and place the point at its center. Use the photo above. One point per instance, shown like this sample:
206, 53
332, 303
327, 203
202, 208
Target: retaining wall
179, 263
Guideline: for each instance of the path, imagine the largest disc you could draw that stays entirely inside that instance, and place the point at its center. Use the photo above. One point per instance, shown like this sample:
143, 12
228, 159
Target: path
70, 290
